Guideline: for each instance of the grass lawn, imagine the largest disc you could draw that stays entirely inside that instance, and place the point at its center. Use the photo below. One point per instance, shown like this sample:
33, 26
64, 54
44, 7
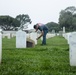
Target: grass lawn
52, 59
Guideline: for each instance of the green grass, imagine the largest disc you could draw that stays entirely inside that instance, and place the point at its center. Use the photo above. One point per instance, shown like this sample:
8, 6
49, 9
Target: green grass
52, 59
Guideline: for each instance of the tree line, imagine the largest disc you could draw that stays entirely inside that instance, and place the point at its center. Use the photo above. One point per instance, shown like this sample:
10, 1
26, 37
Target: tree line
10, 23
67, 19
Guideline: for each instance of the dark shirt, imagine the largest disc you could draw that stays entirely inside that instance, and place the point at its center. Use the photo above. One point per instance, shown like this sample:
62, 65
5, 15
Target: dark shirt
43, 28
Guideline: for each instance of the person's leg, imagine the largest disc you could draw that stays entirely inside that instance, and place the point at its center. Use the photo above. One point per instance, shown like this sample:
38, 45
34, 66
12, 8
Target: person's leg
44, 38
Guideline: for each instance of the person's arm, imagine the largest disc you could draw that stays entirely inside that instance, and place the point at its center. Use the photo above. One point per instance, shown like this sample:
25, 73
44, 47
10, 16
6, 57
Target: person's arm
36, 30
42, 33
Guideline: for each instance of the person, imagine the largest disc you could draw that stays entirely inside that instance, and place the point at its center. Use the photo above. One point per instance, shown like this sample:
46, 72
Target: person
44, 30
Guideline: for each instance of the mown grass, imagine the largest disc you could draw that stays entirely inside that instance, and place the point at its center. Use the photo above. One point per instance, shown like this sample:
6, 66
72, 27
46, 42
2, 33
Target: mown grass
52, 59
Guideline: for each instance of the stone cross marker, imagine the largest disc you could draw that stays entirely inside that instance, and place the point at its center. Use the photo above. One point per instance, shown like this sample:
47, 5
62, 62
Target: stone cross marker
20, 39
72, 46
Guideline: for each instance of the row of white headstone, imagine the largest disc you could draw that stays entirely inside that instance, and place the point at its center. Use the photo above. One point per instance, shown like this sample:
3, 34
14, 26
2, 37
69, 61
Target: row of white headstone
21, 37
20, 40
71, 40
8, 35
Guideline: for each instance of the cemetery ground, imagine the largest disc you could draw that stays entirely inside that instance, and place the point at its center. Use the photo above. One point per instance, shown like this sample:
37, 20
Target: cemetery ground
52, 59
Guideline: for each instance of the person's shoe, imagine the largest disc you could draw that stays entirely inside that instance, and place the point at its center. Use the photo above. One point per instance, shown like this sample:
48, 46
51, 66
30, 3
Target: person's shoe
43, 44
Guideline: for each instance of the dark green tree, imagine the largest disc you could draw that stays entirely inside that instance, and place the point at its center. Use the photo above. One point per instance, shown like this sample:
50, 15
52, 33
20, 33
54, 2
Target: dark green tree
24, 20
52, 26
66, 18
8, 23
74, 22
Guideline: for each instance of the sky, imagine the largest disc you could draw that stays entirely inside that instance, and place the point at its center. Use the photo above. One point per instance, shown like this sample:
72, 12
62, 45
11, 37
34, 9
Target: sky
40, 11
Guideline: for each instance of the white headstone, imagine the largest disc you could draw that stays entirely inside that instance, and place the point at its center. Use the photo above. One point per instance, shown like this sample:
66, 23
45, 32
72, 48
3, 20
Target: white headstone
68, 34
63, 29
33, 36
20, 39
61, 33
0, 47
8, 36
53, 31
72, 46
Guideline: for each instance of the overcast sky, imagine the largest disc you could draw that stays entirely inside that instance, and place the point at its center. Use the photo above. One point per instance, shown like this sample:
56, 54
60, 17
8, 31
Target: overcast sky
40, 11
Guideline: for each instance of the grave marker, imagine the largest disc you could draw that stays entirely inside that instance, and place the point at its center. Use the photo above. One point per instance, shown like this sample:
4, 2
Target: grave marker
60, 33
33, 36
72, 46
0, 47
20, 39
63, 29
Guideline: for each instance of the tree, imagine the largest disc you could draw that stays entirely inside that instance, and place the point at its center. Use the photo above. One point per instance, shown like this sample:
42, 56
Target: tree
71, 9
24, 20
8, 23
66, 18
74, 22
52, 26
